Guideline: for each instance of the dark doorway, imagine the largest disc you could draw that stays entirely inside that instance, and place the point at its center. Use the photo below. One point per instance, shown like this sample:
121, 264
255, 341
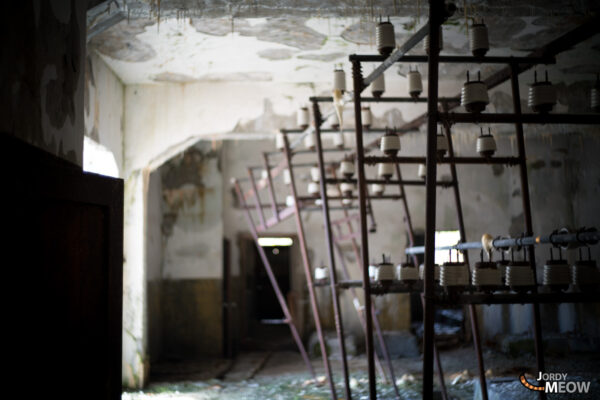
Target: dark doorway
266, 326
267, 306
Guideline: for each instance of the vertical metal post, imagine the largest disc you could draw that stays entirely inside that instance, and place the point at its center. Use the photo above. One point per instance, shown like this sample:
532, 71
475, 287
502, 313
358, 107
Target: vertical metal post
361, 318
259, 210
362, 194
407, 219
537, 324
339, 325
384, 348
435, 17
267, 265
411, 241
271, 188
307, 272
463, 238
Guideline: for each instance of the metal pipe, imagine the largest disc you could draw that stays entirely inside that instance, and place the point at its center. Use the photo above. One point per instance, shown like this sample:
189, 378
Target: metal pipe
339, 325
435, 12
307, 273
362, 193
537, 323
274, 284
581, 238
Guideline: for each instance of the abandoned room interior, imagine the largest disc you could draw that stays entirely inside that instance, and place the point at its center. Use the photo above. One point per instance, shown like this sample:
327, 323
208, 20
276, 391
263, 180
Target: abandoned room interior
287, 199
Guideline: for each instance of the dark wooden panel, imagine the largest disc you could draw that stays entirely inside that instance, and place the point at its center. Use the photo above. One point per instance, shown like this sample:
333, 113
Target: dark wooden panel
63, 254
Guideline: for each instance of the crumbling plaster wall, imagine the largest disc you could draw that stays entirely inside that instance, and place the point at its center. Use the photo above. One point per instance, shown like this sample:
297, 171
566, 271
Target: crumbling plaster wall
104, 107
192, 262
43, 80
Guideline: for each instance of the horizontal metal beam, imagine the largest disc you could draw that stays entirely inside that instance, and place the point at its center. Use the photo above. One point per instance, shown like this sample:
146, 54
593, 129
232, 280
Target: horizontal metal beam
326, 99
323, 130
382, 197
452, 59
444, 160
579, 119
517, 298
419, 182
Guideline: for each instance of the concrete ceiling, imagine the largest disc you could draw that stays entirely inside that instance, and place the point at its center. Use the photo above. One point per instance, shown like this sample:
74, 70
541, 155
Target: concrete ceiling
286, 49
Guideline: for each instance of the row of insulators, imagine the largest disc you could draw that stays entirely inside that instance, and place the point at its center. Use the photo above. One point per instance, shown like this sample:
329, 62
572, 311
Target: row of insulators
385, 39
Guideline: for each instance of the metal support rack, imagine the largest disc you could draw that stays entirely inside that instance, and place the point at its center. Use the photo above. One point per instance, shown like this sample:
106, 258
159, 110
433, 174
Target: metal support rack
515, 65
432, 296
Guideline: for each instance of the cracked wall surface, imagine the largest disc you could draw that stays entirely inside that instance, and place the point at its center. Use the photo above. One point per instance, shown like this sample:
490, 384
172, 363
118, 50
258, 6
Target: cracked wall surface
42, 86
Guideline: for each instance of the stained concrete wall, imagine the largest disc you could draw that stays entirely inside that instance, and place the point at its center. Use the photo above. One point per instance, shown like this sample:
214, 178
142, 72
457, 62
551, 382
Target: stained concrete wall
104, 107
192, 259
43, 75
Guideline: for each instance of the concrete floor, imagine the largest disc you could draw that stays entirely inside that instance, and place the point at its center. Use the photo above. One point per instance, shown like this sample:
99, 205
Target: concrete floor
283, 376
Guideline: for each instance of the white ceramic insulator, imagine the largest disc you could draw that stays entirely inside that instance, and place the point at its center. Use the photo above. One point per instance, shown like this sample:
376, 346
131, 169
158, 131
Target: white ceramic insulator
541, 94
390, 143
377, 189
556, 274
385, 38
338, 140
287, 177
347, 202
346, 188
366, 116
315, 174
422, 173
378, 85
478, 39
279, 142
289, 200
385, 272
302, 117
519, 276
486, 277
426, 42
415, 83
313, 188
321, 273
474, 92
442, 144
310, 141
339, 80
486, 144
372, 272
347, 168
333, 192
264, 174
385, 170
407, 273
